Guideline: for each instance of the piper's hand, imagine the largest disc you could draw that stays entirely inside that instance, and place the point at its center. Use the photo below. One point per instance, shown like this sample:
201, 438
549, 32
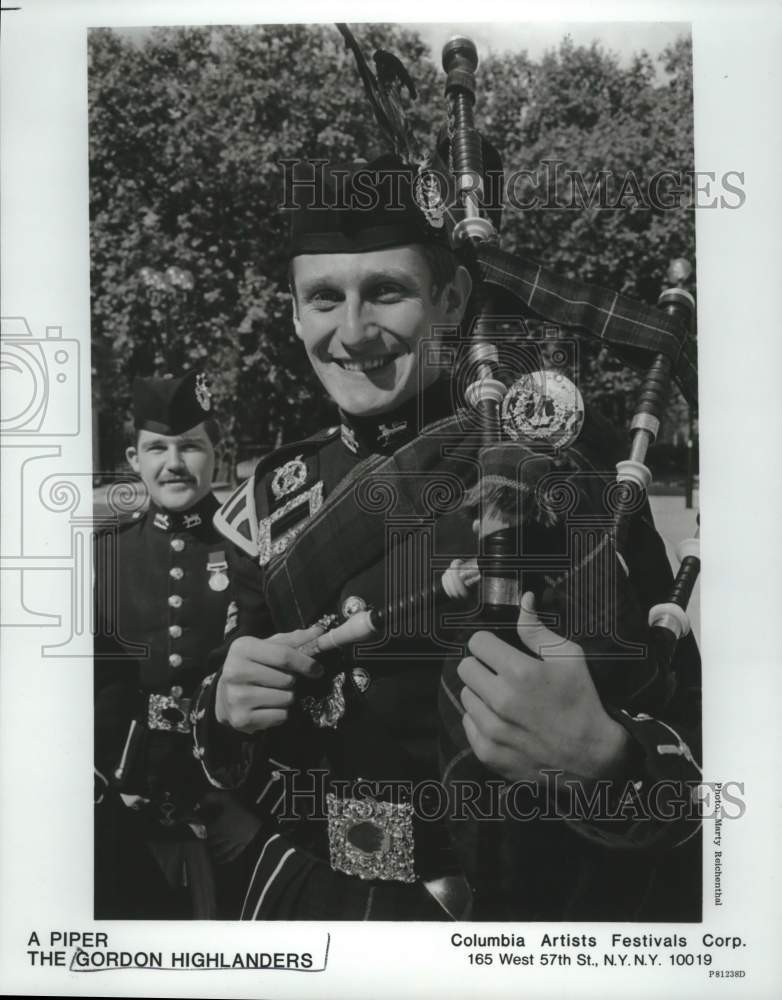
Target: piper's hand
256, 687
524, 715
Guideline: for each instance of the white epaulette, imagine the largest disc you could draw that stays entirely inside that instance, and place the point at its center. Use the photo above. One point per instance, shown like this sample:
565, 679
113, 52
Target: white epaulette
236, 520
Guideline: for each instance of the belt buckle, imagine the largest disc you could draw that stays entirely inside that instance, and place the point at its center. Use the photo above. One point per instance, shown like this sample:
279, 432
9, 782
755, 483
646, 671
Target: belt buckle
168, 714
371, 839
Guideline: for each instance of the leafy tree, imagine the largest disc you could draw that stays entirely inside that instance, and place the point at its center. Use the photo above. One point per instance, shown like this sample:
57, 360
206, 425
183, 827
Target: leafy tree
187, 131
576, 120
186, 134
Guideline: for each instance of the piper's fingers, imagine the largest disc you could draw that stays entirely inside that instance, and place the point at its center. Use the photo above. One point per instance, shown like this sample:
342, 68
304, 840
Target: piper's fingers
260, 675
258, 699
251, 651
538, 639
499, 656
238, 705
262, 718
496, 757
298, 637
478, 678
487, 721
460, 576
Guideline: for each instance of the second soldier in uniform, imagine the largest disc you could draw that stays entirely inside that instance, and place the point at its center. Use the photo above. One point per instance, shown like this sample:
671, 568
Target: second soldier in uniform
161, 599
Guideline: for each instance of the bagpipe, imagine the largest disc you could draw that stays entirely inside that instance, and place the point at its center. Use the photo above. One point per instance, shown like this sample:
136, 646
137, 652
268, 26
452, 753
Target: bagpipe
518, 473
541, 463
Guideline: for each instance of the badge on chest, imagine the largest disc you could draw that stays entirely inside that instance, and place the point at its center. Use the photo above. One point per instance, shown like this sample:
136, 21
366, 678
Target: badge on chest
292, 503
217, 566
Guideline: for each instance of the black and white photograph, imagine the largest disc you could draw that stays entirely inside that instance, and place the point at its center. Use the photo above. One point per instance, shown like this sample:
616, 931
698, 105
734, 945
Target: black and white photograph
399, 404
355, 475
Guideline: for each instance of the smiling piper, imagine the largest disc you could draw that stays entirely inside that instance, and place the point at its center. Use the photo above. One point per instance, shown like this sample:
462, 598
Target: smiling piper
366, 515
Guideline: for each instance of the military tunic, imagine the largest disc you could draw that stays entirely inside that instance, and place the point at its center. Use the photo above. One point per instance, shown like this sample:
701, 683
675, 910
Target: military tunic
368, 510
161, 597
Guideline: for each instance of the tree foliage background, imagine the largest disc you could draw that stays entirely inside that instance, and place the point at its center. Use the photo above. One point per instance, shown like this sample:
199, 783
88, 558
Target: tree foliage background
187, 128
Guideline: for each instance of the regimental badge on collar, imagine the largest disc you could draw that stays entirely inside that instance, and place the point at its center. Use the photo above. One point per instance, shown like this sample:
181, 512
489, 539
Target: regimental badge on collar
289, 477
162, 521
348, 436
386, 432
543, 407
202, 394
217, 565
191, 520
277, 531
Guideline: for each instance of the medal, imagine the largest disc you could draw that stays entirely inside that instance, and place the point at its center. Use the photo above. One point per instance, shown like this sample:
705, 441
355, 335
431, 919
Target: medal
217, 565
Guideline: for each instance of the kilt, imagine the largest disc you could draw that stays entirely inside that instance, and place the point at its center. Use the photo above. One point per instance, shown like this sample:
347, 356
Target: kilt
291, 883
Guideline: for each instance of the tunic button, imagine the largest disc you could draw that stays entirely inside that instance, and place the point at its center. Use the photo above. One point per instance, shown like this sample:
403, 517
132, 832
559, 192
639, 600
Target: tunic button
175, 660
175, 631
361, 678
176, 691
176, 572
177, 544
175, 601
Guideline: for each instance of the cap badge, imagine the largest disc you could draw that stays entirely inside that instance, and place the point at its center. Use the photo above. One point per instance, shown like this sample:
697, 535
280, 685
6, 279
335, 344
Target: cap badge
202, 394
428, 197
289, 477
543, 407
